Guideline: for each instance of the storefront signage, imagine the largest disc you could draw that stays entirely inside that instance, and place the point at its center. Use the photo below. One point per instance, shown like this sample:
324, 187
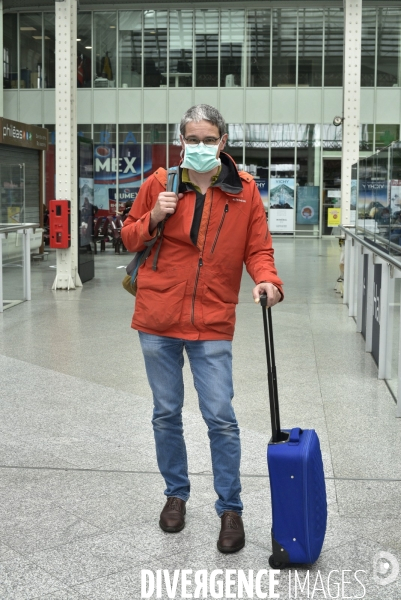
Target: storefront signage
23, 135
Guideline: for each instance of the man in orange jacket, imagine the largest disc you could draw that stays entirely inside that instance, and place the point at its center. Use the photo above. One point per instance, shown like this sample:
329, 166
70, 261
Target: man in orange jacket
216, 223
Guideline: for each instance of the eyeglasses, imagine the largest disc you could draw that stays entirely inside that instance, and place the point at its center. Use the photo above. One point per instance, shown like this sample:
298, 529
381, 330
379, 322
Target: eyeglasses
208, 141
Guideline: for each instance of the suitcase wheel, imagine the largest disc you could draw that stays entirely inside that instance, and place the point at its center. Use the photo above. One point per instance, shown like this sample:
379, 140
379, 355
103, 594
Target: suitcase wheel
276, 564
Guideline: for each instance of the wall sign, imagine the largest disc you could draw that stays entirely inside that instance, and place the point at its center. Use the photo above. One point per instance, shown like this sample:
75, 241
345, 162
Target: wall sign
23, 135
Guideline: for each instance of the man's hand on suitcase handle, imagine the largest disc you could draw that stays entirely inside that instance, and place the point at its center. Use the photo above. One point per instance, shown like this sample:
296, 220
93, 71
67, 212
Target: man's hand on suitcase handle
272, 293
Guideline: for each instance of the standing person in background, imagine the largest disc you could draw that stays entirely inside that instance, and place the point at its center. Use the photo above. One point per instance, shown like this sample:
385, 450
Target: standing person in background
216, 223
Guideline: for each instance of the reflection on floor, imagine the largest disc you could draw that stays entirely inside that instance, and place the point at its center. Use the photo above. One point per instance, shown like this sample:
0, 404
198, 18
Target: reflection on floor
80, 493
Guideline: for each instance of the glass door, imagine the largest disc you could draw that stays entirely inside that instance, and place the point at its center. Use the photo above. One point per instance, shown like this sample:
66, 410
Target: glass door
331, 196
12, 211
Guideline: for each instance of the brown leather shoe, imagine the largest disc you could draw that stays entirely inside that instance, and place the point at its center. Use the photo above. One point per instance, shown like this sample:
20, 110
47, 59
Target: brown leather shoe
172, 517
232, 535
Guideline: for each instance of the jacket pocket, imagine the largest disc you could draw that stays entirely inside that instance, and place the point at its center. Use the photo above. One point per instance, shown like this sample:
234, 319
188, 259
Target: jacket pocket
217, 314
159, 309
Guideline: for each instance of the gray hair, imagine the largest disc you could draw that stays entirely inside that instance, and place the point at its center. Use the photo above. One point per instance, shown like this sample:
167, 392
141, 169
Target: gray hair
203, 112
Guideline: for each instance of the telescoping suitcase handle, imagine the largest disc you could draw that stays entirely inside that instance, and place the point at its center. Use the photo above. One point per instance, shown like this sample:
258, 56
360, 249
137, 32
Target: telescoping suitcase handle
277, 435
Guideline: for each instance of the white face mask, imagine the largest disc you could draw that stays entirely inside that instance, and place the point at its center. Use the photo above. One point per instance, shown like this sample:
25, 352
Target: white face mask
201, 158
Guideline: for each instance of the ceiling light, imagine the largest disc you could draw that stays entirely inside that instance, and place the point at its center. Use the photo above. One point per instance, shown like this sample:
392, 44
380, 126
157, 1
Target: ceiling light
112, 26
27, 28
39, 37
78, 39
88, 47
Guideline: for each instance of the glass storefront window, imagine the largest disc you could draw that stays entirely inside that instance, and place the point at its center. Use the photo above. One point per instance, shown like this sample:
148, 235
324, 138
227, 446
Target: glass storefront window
154, 148
31, 61
50, 166
333, 47
380, 197
385, 134
370, 209
232, 48
368, 42
84, 49
105, 167
308, 178
235, 142
10, 51
257, 157
360, 222
130, 164
85, 131
388, 47
130, 48
174, 145
366, 137
284, 47
207, 47
105, 36
332, 137
310, 47
50, 51
258, 54
155, 48
395, 199
181, 41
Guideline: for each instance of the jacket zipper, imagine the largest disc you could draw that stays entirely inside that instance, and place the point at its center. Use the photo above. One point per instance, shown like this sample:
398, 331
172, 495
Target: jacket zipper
219, 228
200, 264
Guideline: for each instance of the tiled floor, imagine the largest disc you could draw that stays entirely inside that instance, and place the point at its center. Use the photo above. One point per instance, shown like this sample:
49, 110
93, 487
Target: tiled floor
80, 493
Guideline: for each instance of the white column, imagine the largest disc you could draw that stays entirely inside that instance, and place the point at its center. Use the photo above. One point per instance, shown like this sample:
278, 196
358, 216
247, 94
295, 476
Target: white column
351, 100
66, 136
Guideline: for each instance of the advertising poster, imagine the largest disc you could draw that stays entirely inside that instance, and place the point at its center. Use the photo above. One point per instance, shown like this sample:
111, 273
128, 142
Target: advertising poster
130, 168
263, 187
376, 197
281, 213
333, 217
86, 210
308, 205
395, 196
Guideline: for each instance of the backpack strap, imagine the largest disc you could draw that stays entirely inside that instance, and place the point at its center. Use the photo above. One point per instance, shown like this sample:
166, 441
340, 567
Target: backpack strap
171, 186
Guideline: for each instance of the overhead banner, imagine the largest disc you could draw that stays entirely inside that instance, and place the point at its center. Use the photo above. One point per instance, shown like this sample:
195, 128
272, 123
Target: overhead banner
281, 213
308, 205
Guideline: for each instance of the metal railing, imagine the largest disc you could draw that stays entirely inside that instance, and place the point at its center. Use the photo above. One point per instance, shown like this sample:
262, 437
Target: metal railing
23, 229
372, 292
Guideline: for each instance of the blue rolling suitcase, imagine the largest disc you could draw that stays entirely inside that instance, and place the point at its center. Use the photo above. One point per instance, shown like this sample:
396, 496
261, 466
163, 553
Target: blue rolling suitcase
298, 491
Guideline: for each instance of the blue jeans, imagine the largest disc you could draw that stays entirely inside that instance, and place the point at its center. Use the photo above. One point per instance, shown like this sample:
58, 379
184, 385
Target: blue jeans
211, 366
